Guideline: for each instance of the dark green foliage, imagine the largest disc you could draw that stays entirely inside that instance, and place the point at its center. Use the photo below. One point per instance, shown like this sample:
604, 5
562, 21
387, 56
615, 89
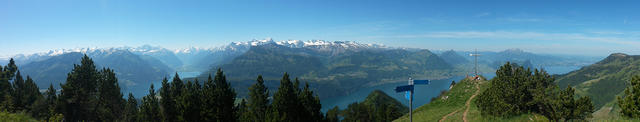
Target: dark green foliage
110, 101
150, 110
284, 101
44, 108
208, 100
258, 100
130, 110
311, 104
243, 112
191, 102
378, 107
19, 102
630, 102
357, 112
516, 91
332, 115
225, 97
77, 97
177, 87
167, 100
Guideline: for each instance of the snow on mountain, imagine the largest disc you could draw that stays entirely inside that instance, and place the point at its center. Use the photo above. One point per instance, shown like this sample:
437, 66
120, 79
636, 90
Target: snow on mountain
191, 54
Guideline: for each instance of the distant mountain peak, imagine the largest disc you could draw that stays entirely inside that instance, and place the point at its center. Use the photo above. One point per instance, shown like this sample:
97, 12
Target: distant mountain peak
315, 44
514, 50
618, 55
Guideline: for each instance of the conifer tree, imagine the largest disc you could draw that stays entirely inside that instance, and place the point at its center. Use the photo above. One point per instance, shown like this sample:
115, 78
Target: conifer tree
258, 100
167, 102
31, 92
243, 112
78, 96
50, 99
191, 104
177, 87
225, 97
208, 100
131, 110
17, 93
5, 85
630, 102
110, 101
311, 104
149, 110
284, 101
332, 114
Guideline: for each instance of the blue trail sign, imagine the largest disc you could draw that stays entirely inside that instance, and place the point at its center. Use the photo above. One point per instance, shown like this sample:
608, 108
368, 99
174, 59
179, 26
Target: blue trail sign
425, 82
404, 88
408, 89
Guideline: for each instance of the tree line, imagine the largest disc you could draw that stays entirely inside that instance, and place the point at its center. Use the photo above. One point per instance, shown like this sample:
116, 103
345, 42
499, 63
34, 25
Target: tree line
92, 94
516, 90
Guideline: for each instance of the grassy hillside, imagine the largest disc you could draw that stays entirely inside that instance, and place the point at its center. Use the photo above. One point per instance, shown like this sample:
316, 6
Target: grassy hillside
604, 80
15, 117
453, 105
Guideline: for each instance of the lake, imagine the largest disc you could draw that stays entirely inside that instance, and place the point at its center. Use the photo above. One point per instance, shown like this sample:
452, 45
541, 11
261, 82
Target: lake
422, 93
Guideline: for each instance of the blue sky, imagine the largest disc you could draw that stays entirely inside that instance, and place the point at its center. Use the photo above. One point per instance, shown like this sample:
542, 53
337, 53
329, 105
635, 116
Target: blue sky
566, 27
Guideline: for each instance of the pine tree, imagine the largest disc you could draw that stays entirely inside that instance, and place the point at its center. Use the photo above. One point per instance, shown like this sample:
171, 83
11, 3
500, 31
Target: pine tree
258, 100
149, 110
333, 114
167, 102
177, 87
243, 112
208, 100
32, 92
18, 95
311, 105
5, 85
284, 101
110, 101
34, 102
51, 98
225, 97
131, 110
78, 96
630, 102
191, 104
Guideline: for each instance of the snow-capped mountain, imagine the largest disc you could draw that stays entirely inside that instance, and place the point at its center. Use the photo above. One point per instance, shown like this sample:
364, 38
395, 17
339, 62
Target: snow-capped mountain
310, 44
197, 59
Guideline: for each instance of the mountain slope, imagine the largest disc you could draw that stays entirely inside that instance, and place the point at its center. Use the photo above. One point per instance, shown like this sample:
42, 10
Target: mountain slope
135, 73
337, 73
603, 80
453, 58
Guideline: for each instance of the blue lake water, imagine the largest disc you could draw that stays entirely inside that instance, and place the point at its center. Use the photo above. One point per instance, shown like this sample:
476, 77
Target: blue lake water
422, 93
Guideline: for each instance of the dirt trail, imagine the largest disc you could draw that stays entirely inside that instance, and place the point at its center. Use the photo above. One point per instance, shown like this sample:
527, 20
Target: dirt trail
464, 116
467, 104
445, 117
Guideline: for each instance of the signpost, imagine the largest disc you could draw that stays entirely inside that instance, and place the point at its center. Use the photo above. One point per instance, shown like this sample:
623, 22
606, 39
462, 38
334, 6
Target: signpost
409, 88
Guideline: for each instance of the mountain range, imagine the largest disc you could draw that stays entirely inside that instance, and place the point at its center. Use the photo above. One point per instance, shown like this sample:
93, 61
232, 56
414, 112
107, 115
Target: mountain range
333, 67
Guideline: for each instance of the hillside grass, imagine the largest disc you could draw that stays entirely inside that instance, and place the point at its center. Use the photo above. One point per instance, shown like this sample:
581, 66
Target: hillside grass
457, 97
15, 117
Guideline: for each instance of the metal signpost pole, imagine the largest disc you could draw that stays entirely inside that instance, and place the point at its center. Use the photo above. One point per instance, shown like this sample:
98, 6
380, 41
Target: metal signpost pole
409, 88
